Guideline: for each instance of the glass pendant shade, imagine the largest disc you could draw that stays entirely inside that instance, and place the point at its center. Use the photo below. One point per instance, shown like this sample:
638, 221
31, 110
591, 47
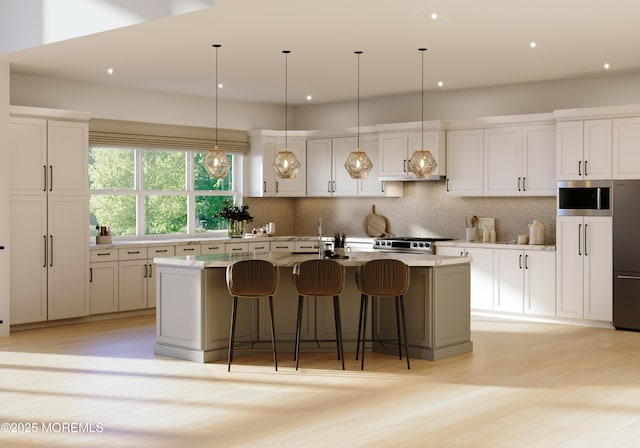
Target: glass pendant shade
217, 163
286, 164
358, 164
422, 164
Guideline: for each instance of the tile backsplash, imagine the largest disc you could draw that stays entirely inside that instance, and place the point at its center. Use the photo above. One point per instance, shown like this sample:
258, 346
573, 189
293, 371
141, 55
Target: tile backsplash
425, 210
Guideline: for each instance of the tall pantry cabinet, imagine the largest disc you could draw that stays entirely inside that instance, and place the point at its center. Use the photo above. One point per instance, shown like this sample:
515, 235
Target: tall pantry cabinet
49, 215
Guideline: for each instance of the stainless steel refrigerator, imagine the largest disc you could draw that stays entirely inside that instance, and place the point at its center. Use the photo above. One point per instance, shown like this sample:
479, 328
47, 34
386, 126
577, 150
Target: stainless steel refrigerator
626, 254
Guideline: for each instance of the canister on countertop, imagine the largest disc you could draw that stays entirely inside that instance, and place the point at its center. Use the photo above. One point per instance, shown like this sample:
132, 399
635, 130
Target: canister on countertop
536, 232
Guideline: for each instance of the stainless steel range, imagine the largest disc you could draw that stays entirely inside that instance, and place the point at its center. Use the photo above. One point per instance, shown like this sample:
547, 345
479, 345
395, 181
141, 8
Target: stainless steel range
407, 244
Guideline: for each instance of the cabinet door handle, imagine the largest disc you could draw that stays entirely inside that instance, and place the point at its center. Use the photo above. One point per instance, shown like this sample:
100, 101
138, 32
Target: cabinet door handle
328, 186
45, 251
46, 181
520, 261
524, 184
51, 251
404, 165
161, 251
447, 185
333, 186
150, 270
628, 277
277, 186
264, 186
579, 239
526, 261
90, 275
519, 180
382, 186
188, 249
579, 167
585, 167
133, 252
50, 177
585, 240
236, 248
145, 271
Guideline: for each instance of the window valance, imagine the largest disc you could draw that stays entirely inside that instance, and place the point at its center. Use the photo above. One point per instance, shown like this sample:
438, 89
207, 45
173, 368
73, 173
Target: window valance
164, 136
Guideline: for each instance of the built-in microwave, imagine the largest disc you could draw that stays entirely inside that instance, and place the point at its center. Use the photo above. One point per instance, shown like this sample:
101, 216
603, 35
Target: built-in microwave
584, 197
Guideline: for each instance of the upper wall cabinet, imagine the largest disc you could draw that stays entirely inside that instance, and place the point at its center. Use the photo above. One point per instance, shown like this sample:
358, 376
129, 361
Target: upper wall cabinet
584, 150
626, 148
261, 179
327, 176
465, 151
396, 148
518, 161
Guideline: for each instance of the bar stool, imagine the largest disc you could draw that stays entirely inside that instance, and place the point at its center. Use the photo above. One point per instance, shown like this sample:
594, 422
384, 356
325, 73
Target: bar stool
251, 279
383, 278
319, 278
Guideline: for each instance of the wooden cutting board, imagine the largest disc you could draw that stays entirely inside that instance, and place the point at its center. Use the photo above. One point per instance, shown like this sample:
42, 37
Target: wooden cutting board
375, 225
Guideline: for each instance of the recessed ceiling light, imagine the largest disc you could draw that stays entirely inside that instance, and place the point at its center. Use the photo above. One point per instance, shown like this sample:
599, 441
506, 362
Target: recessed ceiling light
434, 16
309, 97
440, 84
607, 66
533, 44
220, 85
110, 70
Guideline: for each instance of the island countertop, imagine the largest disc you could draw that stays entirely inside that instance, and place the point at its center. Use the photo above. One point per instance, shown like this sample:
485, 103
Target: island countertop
288, 259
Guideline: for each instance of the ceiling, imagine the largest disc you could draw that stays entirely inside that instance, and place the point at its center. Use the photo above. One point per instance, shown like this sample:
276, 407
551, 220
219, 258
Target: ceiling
473, 43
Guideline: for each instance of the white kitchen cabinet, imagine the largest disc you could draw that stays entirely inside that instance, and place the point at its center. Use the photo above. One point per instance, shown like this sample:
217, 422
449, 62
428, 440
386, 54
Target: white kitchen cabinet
49, 233
259, 247
584, 150
282, 246
261, 177
518, 161
524, 281
584, 278
187, 249
231, 248
327, 176
626, 141
306, 246
153, 252
396, 148
482, 278
465, 158
133, 272
103, 281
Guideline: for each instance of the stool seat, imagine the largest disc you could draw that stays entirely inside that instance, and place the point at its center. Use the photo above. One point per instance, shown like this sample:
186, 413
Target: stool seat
377, 279
251, 279
319, 278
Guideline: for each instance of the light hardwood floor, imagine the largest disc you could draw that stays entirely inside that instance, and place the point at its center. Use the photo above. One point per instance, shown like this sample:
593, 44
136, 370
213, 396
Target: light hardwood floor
525, 385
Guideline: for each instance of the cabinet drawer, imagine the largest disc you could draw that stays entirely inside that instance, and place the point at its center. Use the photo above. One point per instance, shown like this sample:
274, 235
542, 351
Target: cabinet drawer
212, 248
282, 246
161, 251
132, 253
259, 247
305, 246
232, 248
188, 249
103, 255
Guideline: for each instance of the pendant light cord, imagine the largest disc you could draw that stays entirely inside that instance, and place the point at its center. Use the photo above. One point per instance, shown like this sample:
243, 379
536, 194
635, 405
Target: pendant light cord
358, 95
422, 50
216, 46
286, 98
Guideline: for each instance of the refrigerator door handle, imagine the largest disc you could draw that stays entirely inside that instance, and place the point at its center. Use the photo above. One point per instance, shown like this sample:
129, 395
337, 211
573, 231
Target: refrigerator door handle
628, 277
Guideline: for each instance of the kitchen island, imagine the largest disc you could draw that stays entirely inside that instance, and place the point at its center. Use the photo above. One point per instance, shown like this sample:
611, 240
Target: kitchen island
194, 307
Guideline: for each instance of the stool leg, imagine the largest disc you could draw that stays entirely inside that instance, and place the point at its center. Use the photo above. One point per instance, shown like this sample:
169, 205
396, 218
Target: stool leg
404, 328
398, 326
336, 306
273, 335
298, 325
364, 330
335, 319
360, 327
232, 332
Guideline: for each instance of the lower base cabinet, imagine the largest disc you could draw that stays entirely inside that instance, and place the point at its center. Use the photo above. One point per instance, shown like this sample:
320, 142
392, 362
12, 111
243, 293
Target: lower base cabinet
103, 287
481, 274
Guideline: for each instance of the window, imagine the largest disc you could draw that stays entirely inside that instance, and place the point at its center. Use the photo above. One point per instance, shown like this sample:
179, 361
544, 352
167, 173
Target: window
137, 191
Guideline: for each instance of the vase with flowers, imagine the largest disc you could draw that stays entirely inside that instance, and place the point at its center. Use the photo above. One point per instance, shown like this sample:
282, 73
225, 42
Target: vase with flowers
236, 216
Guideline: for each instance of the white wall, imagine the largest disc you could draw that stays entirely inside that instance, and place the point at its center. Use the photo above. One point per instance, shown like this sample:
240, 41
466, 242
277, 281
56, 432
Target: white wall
4, 199
470, 103
118, 103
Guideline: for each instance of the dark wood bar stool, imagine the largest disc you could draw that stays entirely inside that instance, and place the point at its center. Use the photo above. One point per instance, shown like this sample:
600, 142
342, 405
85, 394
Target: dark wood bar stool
252, 279
383, 278
319, 278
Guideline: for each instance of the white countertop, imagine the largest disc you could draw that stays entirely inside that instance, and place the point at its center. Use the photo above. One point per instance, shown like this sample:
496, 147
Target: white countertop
496, 245
289, 260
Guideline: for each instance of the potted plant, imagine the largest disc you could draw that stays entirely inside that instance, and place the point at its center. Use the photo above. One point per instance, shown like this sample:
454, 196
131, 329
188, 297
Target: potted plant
236, 215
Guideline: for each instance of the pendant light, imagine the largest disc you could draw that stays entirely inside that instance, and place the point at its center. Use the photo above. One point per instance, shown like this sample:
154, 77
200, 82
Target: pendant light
216, 162
358, 163
286, 164
422, 164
